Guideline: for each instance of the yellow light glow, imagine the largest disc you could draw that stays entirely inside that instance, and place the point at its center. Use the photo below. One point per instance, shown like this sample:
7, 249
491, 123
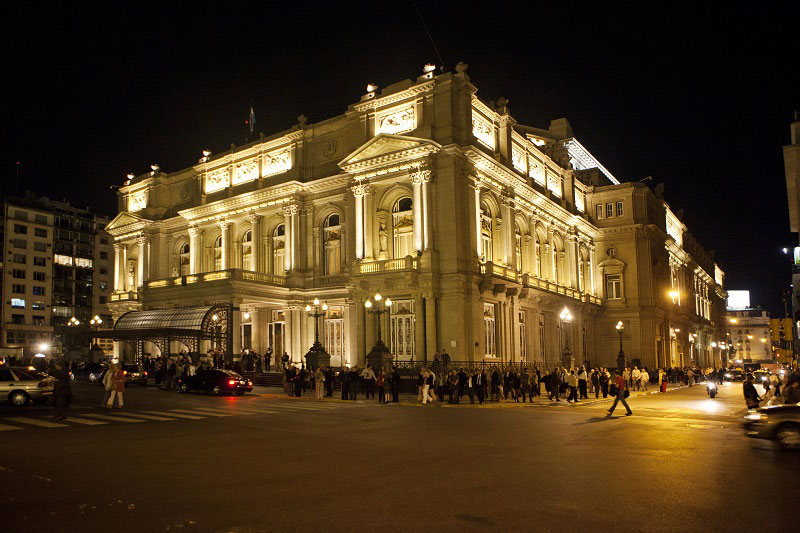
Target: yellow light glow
324, 307
308, 308
388, 302
620, 326
749, 336
368, 304
733, 320
316, 301
378, 297
246, 316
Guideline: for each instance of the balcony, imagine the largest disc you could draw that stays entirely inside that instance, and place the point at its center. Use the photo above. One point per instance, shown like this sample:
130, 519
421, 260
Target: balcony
129, 296
532, 282
232, 274
389, 265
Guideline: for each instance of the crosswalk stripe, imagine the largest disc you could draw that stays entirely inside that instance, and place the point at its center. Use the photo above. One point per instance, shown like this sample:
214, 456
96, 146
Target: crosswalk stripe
197, 412
232, 410
176, 415
114, 418
35, 422
148, 417
85, 421
4, 427
298, 407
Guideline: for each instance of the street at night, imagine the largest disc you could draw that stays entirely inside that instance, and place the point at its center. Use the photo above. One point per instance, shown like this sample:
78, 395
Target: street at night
170, 462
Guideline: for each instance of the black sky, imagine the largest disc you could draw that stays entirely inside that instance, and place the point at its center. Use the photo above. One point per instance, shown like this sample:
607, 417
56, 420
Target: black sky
699, 97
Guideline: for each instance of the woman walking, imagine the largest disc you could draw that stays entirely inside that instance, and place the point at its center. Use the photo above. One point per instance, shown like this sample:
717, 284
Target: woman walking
319, 381
118, 386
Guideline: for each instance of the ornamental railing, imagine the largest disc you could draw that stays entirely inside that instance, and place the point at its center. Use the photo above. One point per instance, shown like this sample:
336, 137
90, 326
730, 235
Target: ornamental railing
389, 265
530, 281
129, 296
234, 274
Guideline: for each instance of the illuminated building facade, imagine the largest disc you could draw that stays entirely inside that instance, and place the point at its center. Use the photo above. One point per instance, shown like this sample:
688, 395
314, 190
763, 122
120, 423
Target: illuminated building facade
481, 230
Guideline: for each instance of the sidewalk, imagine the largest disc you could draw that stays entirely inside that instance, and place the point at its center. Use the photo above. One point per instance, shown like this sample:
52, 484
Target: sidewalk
411, 399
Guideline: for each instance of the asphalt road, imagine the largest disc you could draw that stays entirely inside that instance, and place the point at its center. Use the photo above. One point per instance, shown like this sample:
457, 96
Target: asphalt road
265, 463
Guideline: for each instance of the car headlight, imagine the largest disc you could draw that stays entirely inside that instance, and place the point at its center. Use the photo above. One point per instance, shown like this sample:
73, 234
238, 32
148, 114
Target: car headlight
727, 375
755, 416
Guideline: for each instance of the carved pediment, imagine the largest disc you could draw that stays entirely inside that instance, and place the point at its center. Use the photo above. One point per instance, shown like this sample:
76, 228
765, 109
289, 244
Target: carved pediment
126, 223
385, 148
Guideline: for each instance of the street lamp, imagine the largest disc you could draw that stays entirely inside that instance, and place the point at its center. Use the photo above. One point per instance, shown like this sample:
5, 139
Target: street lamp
317, 356
621, 356
73, 323
95, 323
379, 353
674, 295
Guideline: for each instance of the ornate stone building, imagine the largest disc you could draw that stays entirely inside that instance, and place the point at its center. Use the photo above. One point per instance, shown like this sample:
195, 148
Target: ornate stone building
481, 230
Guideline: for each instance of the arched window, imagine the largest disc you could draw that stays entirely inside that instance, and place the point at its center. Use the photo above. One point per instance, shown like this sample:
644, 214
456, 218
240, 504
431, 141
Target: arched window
486, 231
332, 249
247, 251
278, 245
518, 247
403, 228
559, 270
218, 253
183, 259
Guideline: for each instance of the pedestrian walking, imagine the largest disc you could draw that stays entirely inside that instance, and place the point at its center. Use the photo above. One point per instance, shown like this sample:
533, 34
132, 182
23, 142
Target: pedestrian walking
343, 382
526, 385
379, 381
369, 382
645, 379
469, 386
62, 394
480, 386
554, 384
108, 384
427, 381
604, 380
118, 387
596, 382
319, 382
582, 383
572, 383
621, 394
636, 377
394, 383
353, 379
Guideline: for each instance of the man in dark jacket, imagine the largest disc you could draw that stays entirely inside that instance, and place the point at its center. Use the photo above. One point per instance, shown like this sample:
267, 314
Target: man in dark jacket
343, 381
394, 381
750, 394
480, 386
554, 384
329, 382
353, 379
63, 390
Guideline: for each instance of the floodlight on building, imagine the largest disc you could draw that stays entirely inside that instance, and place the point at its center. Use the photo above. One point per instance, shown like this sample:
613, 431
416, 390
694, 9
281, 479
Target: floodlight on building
43, 347
371, 87
246, 315
429, 67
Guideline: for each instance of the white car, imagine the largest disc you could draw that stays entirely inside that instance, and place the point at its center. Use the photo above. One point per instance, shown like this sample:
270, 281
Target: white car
22, 385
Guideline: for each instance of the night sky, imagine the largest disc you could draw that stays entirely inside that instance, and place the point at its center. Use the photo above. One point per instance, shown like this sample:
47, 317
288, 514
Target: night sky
700, 98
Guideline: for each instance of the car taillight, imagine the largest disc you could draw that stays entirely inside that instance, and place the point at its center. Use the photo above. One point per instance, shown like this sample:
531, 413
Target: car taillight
249, 382
124, 372
231, 382
145, 373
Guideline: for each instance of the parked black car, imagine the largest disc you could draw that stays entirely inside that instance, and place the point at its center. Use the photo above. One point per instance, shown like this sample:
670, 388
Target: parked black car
134, 375
91, 371
215, 382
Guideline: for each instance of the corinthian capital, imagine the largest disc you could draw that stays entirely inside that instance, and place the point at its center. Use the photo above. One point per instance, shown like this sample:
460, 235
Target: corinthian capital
224, 224
290, 209
194, 231
254, 218
421, 174
360, 188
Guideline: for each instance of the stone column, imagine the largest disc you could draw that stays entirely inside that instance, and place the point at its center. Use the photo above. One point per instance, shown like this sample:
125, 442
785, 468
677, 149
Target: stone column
417, 211
289, 224
509, 235
255, 244
572, 260
124, 272
478, 232
422, 232
118, 262
591, 269
552, 258
141, 262
236, 324
359, 191
224, 226
526, 255
194, 249
369, 223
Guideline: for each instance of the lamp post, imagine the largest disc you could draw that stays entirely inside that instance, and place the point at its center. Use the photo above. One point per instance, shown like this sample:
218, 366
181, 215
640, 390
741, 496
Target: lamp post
621, 356
73, 323
317, 356
380, 355
566, 357
95, 323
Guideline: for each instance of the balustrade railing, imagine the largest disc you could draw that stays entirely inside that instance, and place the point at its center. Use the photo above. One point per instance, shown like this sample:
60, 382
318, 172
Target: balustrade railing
528, 280
389, 265
232, 274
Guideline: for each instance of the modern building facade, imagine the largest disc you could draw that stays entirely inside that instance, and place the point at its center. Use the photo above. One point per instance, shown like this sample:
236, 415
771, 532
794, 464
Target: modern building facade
791, 161
481, 230
56, 266
750, 335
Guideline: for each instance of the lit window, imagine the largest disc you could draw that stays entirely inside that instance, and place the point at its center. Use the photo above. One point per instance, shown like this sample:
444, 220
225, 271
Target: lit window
37, 306
613, 286
82, 262
62, 260
17, 303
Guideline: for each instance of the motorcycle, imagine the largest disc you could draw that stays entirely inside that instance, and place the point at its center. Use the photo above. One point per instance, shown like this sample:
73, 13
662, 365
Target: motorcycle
711, 388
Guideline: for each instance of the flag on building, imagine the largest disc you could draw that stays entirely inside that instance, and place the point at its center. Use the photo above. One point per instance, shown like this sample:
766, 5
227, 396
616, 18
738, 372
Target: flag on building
252, 119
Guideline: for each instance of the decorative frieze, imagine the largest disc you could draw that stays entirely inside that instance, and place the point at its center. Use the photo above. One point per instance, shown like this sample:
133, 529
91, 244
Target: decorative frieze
396, 120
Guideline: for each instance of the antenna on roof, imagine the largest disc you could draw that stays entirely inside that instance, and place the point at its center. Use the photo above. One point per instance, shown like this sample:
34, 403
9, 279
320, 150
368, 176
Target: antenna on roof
441, 61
